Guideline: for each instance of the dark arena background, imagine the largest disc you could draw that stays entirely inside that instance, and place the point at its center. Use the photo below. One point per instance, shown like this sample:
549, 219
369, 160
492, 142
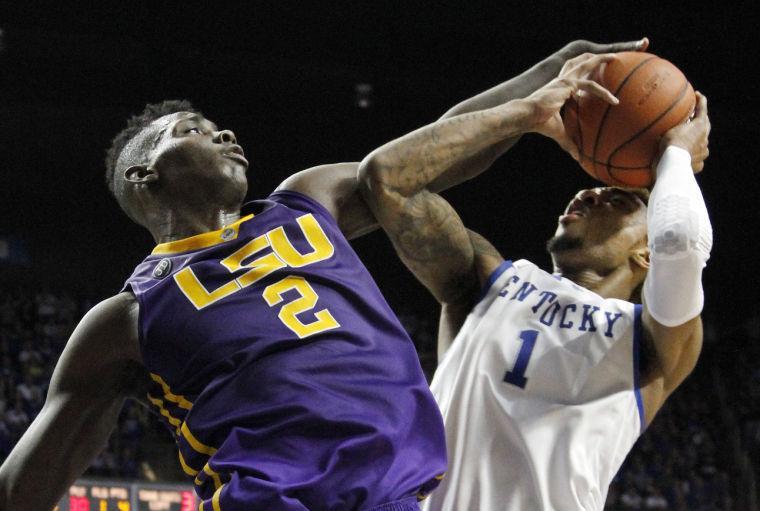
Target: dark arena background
305, 83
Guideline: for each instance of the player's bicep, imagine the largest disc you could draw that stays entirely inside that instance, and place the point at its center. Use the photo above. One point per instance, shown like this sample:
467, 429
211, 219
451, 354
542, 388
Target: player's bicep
486, 259
432, 242
335, 186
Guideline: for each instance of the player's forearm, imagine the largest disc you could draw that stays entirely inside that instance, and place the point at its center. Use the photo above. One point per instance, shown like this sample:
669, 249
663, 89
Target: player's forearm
519, 86
54, 451
411, 163
680, 240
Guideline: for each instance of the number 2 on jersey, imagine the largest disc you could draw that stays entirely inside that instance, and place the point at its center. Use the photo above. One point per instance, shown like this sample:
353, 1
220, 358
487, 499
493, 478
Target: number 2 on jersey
283, 255
517, 375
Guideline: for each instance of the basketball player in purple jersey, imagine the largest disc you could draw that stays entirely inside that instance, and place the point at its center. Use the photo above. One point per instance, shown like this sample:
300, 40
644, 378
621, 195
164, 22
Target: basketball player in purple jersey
253, 330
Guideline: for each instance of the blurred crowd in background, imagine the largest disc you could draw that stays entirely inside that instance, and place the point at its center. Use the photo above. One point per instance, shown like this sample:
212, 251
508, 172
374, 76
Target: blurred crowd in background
697, 455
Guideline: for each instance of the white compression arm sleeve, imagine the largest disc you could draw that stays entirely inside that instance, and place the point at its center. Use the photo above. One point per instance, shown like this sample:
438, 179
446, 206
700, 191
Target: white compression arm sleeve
680, 239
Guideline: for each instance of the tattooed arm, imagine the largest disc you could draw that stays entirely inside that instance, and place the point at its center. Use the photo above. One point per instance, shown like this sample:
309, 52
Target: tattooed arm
335, 186
453, 312
425, 230
520, 86
396, 179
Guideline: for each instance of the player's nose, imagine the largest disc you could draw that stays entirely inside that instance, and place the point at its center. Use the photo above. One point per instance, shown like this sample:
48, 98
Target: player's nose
225, 137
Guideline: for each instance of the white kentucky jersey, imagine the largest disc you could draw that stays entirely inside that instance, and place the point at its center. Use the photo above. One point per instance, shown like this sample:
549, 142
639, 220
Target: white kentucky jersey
539, 394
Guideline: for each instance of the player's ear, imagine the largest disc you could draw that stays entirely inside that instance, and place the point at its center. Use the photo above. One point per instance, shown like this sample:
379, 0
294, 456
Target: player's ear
640, 257
140, 174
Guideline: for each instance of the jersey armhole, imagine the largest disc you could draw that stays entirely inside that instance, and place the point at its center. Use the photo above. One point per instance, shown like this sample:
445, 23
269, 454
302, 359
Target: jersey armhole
140, 336
637, 333
493, 278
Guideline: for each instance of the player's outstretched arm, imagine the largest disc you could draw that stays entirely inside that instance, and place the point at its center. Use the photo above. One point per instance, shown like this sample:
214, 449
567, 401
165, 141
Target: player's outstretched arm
397, 178
335, 185
680, 240
98, 369
520, 86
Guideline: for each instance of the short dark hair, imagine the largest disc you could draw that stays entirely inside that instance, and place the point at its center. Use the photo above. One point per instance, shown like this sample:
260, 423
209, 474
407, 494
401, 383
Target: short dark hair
135, 125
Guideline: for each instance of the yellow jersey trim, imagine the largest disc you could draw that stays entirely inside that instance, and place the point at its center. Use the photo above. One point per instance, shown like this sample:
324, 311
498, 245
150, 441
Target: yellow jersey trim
196, 444
215, 499
203, 240
174, 398
185, 467
211, 473
158, 403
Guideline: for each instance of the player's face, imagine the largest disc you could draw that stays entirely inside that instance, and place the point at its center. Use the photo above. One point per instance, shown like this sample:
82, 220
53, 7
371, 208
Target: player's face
192, 155
599, 226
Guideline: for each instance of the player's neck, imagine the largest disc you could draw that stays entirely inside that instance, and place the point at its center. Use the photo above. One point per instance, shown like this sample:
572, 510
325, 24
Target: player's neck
173, 225
618, 283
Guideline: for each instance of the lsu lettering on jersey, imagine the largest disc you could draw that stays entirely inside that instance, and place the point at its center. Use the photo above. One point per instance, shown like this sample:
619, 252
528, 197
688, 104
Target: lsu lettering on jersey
540, 396
284, 376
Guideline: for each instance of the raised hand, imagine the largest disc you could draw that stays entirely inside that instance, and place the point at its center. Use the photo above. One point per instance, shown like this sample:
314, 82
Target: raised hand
580, 47
693, 135
575, 78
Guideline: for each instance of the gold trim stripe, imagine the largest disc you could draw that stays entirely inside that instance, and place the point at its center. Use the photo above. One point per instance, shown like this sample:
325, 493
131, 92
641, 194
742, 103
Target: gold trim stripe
210, 472
215, 499
422, 496
185, 467
158, 403
195, 443
199, 241
169, 395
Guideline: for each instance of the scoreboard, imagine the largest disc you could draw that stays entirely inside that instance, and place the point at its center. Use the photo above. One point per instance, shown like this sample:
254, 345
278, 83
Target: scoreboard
107, 495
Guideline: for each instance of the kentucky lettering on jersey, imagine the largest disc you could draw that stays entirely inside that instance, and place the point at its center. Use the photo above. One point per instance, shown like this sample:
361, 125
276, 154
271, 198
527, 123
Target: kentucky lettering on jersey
540, 396
283, 374
549, 309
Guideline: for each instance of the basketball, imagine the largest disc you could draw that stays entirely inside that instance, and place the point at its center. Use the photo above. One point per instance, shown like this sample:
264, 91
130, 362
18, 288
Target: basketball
618, 144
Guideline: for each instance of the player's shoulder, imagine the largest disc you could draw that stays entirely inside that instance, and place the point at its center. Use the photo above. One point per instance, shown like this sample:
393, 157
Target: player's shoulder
312, 180
524, 263
115, 308
328, 185
102, 356
112, 324
334, 187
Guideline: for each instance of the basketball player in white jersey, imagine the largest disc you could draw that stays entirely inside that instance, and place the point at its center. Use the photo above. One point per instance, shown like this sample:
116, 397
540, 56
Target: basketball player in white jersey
550, 377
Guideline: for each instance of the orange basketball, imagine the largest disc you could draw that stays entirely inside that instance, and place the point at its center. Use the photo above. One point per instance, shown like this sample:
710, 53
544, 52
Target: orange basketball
619, 143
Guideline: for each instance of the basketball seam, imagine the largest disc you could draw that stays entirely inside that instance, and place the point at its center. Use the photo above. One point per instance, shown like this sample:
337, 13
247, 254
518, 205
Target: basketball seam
607, 111
616, 166
647, 127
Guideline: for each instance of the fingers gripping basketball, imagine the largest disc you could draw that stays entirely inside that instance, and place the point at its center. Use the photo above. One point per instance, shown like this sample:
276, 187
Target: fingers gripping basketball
618, 144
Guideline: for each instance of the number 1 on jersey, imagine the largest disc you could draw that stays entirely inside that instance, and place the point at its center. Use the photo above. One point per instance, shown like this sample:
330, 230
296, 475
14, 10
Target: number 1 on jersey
517, 375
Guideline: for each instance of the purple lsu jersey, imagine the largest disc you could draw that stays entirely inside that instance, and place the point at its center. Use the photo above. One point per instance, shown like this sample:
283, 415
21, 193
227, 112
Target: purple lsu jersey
284, 376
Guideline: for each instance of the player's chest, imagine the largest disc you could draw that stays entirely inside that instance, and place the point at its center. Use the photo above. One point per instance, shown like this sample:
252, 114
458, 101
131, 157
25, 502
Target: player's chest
542, 338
